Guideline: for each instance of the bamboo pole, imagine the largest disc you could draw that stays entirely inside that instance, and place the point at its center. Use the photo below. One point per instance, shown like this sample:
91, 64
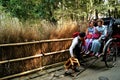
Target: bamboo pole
35, 42
30, 71
56, 52
30, 57
20, 59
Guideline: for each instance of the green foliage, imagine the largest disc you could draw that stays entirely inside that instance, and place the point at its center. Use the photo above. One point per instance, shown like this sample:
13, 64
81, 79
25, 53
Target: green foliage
23, 9
53, 10
46, 9
31, 9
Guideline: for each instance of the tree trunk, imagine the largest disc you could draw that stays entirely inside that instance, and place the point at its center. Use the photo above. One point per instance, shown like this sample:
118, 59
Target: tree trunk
96, 14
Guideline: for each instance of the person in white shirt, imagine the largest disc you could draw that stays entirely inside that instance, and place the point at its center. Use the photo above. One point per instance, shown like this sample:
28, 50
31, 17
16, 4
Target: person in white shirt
75, 50
76, 46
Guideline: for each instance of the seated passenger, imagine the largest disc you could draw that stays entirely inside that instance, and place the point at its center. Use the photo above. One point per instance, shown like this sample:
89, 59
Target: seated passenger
89, 33
96, 43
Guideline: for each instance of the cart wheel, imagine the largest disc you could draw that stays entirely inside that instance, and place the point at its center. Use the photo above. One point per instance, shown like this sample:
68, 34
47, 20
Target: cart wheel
110, 54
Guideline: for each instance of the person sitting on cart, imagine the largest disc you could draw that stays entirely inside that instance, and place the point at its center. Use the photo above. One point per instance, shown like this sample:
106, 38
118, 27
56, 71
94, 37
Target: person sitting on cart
89, 33
97, 39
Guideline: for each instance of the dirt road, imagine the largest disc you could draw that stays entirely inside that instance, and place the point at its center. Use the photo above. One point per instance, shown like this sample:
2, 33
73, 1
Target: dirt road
97, 71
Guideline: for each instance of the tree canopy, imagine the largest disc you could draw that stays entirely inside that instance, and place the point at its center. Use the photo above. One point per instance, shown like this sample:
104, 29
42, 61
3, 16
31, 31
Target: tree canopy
52, 10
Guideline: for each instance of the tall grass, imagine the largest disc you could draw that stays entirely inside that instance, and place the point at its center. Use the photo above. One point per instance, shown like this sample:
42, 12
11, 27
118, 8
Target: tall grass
13, 31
